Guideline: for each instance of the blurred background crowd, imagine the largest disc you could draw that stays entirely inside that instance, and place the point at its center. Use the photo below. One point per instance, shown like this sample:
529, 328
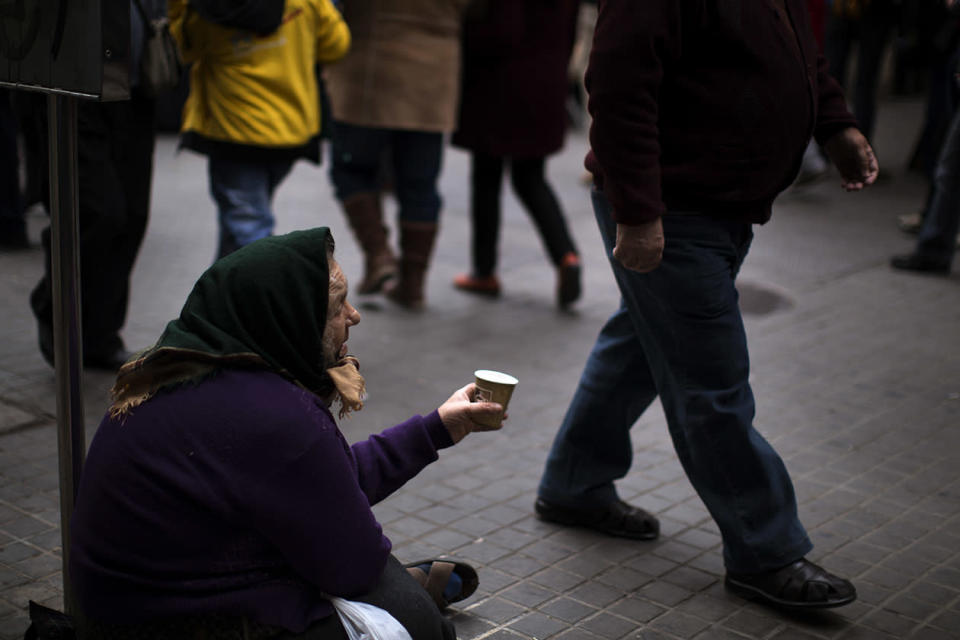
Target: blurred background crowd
374, 92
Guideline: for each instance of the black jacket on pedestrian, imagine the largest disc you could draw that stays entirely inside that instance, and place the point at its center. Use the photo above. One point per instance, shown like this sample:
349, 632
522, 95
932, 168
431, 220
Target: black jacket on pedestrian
514, 81
705, 105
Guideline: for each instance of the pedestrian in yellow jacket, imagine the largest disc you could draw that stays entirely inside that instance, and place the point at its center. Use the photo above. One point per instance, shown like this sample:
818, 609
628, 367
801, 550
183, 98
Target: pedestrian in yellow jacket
254, 106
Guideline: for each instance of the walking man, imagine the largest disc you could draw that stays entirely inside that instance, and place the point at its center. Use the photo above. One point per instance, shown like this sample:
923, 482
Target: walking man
692, 139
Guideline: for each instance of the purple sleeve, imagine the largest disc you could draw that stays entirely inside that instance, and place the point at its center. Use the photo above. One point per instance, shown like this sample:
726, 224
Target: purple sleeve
387, 460
632, 43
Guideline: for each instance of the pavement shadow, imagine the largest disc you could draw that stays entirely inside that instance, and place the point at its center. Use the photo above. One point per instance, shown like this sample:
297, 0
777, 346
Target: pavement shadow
758, 299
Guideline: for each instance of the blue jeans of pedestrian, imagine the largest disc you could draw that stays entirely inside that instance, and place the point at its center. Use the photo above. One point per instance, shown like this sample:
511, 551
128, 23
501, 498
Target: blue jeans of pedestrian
871, 31
679, 335
941, 222
412, 159
243, 191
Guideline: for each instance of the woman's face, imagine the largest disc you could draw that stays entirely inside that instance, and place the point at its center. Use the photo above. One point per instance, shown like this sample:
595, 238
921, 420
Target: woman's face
341, 315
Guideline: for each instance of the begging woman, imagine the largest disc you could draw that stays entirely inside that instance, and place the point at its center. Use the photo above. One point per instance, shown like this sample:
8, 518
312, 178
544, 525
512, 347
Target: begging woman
219, 498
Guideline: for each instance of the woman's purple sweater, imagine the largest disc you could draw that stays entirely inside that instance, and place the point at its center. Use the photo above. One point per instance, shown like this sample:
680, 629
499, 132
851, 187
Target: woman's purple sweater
237, 495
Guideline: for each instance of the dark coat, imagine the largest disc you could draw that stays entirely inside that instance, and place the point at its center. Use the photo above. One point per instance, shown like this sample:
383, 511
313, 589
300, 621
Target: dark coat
514, 82
705, 105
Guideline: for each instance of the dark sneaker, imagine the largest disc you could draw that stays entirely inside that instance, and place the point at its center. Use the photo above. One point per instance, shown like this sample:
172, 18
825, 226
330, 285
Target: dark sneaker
615, 519
568, 280
800, 585
919, 262
109, 361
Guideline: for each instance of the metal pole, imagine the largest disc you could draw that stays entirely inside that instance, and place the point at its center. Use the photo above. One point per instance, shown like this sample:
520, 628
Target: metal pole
65, 257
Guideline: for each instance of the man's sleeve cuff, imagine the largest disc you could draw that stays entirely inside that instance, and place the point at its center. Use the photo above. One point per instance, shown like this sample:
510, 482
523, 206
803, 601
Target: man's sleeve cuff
632, 205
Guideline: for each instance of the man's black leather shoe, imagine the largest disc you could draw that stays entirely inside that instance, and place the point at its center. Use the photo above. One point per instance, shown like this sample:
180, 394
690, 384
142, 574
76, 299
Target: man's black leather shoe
799, 585
919, 262
106, 361
616, 519
109, 361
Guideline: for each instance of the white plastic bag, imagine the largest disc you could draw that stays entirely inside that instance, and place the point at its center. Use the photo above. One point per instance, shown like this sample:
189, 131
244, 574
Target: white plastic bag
366, 622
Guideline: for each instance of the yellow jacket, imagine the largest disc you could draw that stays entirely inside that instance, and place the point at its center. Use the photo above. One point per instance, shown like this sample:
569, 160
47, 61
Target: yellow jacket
255, 91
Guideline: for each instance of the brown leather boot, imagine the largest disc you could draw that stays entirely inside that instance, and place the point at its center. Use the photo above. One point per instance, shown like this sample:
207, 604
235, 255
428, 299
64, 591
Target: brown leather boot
416, 247
366, 219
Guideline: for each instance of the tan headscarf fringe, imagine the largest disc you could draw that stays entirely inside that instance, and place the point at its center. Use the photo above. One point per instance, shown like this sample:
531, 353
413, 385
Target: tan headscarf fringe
165, 368
350, 385
141, 379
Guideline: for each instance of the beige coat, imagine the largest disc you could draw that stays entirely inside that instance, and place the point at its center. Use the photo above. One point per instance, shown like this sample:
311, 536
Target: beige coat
403, 69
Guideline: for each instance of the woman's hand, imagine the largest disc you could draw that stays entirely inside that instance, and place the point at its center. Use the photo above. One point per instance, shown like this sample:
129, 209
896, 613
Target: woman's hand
459, 413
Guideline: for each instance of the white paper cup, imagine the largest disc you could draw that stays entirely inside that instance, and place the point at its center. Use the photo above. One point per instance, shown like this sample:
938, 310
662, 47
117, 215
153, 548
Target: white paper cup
494, 386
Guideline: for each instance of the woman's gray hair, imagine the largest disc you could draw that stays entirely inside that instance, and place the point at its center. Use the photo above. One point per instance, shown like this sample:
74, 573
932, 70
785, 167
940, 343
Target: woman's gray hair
331, 245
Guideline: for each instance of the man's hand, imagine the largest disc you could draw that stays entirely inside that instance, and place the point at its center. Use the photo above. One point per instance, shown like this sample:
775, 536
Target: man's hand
458, 413
852, 154
640, 247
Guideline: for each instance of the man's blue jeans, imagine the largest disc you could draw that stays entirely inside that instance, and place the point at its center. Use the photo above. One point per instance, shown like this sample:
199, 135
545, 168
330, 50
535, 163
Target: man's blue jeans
243, 191
678, 334
937, 239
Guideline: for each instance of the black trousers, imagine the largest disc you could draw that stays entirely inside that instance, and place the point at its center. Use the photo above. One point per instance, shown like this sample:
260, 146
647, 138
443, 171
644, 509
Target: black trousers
11, 207
396, 592
529, 183
115, 169
401, 596
872, 31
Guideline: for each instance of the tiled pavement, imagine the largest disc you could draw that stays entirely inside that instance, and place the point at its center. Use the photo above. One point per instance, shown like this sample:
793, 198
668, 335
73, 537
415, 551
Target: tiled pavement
856, 370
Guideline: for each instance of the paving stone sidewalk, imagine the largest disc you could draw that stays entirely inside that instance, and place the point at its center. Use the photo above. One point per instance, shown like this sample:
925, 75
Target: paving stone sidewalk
856, 369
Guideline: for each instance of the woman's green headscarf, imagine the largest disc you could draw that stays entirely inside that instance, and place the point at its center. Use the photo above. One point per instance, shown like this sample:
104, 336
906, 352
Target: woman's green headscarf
264, 305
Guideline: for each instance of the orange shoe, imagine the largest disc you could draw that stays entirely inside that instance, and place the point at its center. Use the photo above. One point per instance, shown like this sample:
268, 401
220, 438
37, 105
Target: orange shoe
568, 280
484, 286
